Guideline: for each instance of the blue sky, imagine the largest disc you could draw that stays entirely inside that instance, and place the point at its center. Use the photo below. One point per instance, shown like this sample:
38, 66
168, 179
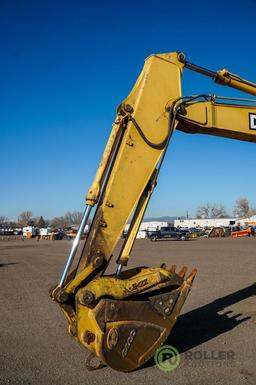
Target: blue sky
66, 65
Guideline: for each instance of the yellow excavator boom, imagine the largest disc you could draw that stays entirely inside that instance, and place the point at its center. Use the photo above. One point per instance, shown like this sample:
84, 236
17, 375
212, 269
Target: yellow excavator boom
124, 317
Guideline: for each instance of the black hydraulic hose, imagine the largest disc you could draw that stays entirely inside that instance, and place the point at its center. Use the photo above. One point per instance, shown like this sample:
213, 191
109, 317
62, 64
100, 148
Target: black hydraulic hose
157, 146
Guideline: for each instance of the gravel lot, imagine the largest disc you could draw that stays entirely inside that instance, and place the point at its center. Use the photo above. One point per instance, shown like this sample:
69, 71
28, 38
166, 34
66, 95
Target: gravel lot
219, 315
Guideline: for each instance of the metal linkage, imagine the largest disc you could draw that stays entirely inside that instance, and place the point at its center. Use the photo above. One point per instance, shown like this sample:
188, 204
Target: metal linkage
196, 68
75, 245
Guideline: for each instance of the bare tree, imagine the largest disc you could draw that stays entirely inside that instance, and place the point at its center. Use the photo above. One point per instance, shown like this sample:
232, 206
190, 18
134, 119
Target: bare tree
40, 222
74, 218
204, 211
218, 211
25, 218
60, 222
64, 221
252, 211
3, 220
47, 222
243, 209
212, 210
67, 220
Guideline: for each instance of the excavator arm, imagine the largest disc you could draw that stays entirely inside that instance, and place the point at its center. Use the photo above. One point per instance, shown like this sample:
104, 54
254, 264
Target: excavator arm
219, 116
124, 317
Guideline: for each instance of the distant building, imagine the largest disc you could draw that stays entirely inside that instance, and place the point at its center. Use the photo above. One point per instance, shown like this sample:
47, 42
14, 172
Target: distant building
250, 221
214, 222
194, 222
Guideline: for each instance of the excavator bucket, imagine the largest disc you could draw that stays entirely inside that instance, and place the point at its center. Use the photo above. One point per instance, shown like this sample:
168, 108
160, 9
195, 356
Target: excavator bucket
125, 333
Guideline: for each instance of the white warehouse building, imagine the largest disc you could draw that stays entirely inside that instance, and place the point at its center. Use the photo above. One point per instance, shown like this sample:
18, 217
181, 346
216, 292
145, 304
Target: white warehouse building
194, 222
216, 222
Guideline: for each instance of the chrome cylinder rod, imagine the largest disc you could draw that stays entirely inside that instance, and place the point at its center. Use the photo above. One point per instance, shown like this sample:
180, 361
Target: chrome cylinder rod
75, 245
119, 269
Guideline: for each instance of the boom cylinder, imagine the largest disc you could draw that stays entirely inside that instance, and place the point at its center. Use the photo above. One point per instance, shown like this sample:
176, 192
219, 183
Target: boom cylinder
223, 77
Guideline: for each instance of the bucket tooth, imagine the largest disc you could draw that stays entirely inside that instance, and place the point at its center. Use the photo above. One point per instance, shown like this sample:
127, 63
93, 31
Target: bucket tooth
191, 277
183, 271
173, 269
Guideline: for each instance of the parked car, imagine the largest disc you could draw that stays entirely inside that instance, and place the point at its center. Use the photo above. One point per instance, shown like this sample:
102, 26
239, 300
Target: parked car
168, 232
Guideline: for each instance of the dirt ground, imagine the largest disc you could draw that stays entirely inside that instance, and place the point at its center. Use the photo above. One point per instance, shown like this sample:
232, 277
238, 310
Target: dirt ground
219, 316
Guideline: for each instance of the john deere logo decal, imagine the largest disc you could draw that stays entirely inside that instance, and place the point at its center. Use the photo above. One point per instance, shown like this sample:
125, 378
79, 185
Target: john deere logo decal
252, 121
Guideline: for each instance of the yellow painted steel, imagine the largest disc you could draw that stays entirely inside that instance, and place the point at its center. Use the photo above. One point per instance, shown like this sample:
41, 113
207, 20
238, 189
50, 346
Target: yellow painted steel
94, 191
117, 288
94, 321
124, 319
133, 229
219, 119
224, 77
135, 161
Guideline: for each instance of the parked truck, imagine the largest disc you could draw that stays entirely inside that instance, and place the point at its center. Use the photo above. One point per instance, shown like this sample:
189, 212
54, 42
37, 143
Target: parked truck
168, 232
